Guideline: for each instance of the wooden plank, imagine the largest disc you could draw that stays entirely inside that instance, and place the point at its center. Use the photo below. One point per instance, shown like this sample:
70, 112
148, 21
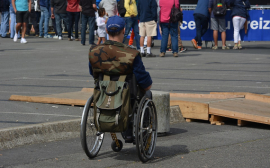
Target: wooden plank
216, 120
230, 93
244, 106
87, 90
258, 97
239, 115
50, 100
189, 120
192, 110
241, 123
209, 96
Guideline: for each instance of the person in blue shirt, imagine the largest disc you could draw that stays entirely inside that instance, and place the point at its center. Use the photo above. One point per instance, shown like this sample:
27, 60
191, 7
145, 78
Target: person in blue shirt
22, 9
218, 23
201, 17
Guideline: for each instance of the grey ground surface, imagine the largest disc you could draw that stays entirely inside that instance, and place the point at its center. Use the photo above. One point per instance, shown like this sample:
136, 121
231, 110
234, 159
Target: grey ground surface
48, 66
188, 145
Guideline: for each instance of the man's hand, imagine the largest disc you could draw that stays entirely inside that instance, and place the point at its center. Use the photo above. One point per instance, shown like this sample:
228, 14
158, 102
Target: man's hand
80, 7
148, 88
15, 10
52, 16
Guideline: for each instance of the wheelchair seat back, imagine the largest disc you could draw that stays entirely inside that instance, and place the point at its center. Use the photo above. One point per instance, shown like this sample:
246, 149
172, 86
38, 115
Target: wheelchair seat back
113, 99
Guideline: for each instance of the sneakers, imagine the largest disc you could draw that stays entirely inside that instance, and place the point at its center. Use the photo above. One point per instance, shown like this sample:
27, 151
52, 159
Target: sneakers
69, 39
240, 46
215, 47
148, 55
162, 54
143, 54
199, 47
194, 42
235, 47
182, 49
131, 46
169, 49
55, 37
77, 39
40, 36
175, 54
225, 48
60, 38
72, 38
23, 41
15, 37
48, 36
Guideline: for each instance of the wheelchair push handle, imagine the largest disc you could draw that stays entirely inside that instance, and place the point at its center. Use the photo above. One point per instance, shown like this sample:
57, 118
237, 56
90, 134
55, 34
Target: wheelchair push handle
110, 93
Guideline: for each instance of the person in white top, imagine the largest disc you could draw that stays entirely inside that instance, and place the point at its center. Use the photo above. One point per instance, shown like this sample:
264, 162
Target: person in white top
101, 23
110, 6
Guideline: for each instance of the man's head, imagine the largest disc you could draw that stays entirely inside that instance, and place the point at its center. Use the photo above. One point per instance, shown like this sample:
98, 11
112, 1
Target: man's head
116, 28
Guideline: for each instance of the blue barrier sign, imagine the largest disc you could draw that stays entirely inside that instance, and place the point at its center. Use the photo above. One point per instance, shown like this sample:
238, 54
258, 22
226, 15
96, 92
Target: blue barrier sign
258, 27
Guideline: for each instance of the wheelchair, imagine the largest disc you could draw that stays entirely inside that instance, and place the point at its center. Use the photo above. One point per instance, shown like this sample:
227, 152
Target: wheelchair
143, 125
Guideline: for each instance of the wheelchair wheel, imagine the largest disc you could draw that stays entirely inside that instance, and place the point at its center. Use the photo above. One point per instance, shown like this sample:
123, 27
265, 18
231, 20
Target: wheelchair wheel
114, 146
146, 129
91, 140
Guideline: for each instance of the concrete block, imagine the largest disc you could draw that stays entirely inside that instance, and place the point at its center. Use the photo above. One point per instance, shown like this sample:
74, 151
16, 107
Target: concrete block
176, 115
162, 102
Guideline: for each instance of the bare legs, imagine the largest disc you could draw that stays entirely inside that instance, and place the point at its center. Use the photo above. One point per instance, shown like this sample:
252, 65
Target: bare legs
223, 37
18, 27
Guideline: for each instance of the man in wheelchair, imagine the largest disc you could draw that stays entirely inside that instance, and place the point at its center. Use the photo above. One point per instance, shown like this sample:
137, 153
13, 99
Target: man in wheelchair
115, 61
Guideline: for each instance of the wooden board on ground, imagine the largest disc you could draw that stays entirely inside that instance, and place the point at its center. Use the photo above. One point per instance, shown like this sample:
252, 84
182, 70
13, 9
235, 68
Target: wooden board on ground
245, 107
71, 98
242, 109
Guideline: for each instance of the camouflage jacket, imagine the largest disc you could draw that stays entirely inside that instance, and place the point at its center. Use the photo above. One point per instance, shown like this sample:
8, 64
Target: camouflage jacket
112, 58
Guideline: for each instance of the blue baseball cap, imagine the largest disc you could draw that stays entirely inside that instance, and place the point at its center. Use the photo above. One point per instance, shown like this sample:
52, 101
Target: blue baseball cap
115, 24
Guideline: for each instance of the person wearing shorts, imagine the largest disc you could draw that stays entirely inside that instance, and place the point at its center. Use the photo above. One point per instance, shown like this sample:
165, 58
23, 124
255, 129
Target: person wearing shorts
147, 14
218, 24
22, 9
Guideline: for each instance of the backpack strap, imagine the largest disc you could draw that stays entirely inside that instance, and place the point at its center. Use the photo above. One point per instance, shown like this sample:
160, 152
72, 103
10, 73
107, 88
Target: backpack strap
122, 78
106, 78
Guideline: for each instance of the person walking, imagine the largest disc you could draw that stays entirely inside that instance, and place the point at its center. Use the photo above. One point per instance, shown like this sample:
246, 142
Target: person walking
218, 22
58, 11
22, 9
88, 9
147, 14
201, 18
110, 7
101, 23
4, 9
44, 8
168, 27
13, 21
131, 20
73, 12
33, 20
239, 17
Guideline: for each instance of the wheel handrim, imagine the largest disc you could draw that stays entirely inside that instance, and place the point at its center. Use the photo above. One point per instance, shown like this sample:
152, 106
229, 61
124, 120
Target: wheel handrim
147, 131
93, 140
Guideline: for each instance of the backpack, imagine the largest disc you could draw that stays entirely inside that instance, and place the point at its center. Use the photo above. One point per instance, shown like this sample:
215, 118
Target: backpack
121, 8
219, 8
176, 15
112, 107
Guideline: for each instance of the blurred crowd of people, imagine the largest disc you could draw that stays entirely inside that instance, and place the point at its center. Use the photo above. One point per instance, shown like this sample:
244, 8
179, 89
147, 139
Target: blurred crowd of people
143, 17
